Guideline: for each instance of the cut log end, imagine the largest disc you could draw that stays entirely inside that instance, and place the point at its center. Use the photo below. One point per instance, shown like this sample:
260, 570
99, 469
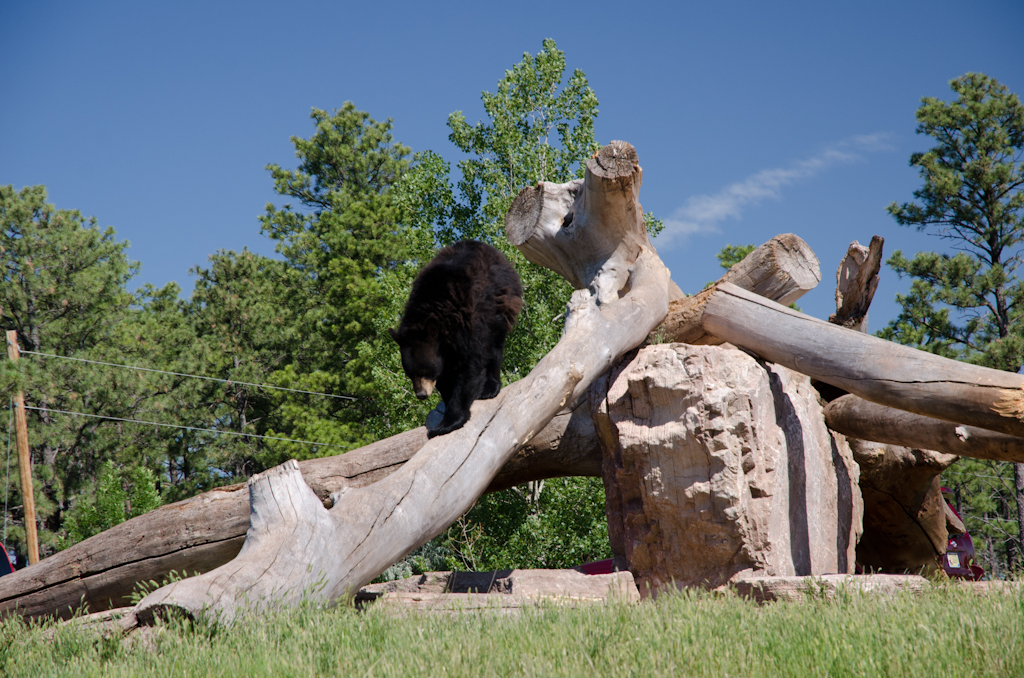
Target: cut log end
524, 214
616, 160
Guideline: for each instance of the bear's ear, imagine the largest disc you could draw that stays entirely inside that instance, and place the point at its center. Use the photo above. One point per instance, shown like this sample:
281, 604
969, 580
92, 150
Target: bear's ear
394, 333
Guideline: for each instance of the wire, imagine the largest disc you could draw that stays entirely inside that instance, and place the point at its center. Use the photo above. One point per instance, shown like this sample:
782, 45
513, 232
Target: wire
182, 374
186, 428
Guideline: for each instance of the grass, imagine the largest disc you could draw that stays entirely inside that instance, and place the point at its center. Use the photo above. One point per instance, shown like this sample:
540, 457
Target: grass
945, 632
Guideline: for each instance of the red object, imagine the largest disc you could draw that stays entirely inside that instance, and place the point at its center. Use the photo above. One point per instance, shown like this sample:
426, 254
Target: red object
597, 567
958, 561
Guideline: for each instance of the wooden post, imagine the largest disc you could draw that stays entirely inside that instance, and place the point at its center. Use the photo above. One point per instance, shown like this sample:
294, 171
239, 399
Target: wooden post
24, 461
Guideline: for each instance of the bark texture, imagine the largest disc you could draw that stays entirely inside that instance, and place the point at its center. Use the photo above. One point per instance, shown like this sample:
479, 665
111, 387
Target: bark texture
783, 270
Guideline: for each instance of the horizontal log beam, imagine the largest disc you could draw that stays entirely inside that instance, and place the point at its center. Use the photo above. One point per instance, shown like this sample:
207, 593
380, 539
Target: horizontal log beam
858, 418
783, 270
872, 368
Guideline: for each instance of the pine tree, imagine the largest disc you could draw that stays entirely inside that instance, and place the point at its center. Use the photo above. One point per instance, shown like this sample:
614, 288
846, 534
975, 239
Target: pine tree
968, 305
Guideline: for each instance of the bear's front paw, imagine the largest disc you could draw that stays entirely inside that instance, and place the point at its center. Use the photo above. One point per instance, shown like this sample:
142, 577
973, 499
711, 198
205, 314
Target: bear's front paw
442, 429
447, 426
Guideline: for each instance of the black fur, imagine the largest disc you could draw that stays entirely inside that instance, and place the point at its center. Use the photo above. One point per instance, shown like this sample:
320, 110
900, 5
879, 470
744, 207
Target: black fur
462, 305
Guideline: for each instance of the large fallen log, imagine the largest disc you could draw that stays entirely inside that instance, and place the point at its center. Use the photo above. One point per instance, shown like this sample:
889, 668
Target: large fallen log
858, 418
296, 549
872, 368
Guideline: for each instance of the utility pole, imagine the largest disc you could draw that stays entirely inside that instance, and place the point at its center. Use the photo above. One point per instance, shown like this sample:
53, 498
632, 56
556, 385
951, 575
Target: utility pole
24, 461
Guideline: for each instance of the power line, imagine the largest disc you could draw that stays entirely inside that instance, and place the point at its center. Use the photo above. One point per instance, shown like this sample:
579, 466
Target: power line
182, 374
186, 428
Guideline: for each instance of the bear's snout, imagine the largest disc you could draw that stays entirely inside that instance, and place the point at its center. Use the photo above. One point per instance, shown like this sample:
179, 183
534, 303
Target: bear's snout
423, 387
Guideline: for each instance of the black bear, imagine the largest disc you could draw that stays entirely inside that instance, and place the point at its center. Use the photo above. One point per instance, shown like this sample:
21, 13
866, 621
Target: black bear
452, 333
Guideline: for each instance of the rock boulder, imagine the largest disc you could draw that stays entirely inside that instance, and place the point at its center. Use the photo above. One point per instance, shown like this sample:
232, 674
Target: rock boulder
719, 467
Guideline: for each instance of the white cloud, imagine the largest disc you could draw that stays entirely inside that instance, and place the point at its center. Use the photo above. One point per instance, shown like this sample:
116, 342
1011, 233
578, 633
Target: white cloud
702, 213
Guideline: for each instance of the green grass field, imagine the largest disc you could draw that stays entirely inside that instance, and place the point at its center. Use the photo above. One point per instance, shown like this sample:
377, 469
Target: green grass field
945, 632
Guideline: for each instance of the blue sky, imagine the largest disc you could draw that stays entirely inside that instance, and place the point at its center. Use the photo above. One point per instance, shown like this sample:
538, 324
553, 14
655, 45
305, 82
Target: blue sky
750, 118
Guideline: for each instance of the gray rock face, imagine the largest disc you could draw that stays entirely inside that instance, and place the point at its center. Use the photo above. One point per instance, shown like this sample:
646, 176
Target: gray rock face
719, 467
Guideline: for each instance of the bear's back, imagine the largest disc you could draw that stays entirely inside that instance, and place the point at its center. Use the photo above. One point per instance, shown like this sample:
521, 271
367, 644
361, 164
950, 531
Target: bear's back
465, 279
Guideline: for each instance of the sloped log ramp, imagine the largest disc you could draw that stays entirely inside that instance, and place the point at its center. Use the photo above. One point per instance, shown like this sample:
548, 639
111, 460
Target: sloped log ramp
296, 549
872, 368
858, 418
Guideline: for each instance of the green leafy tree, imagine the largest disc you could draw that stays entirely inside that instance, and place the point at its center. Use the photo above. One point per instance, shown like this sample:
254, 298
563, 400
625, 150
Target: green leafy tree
348, 252
537, 130
120, 494
730, 255
967, 305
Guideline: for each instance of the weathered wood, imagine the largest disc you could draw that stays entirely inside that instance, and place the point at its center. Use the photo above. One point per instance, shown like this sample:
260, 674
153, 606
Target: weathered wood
856, 282
858, 418
28, 498
872, 368
296, 549
206, 531
783, 270
904, 513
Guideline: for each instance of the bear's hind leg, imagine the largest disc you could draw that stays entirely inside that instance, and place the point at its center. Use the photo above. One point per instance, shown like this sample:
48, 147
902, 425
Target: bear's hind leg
492, 380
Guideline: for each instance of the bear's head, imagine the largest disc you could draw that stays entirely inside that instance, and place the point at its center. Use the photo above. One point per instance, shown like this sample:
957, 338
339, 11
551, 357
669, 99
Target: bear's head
420, 360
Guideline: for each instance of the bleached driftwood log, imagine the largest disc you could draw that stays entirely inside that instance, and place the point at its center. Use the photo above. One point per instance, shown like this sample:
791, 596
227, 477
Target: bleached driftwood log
872, 368
858, 418
856, 282
295, 548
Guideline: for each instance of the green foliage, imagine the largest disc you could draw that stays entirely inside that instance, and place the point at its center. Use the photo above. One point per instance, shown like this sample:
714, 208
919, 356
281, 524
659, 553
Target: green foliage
944, 631
730, 255
119, 494
537, 130
967, 306
346, 247
562, 526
